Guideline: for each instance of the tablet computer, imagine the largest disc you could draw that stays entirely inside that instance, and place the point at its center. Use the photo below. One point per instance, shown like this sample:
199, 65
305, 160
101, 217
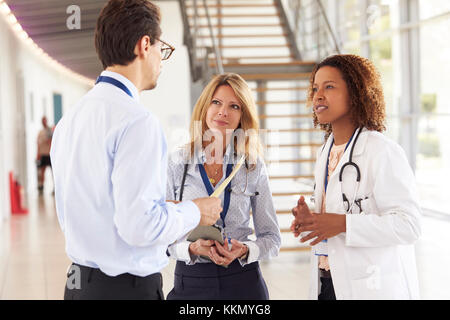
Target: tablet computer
207, 233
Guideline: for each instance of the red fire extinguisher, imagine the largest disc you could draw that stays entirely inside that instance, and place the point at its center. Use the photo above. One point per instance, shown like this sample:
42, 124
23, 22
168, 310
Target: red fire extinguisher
17, 196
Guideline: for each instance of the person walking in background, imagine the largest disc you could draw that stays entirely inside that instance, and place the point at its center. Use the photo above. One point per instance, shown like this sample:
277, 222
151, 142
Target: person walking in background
366, 216
109, 156
44, 141
207, 269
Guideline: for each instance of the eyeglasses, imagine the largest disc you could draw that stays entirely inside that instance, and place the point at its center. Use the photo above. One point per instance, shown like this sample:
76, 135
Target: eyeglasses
166, 50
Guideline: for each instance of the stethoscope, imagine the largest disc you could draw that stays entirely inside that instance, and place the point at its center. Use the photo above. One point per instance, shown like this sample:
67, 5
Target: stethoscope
245, 192
228, 191
348, 206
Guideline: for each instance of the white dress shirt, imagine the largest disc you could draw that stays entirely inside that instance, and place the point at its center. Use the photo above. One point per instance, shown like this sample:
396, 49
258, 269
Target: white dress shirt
109, 159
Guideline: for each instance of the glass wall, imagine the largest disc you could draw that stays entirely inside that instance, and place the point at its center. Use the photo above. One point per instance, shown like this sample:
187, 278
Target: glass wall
433, 157
433, 8
347, 24
387, 32
383, 50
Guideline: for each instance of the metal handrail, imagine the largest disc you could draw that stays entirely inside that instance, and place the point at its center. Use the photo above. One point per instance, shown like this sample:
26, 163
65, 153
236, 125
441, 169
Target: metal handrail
218, 56
198, 56
189, 41
324, 15
290, 35
319, 40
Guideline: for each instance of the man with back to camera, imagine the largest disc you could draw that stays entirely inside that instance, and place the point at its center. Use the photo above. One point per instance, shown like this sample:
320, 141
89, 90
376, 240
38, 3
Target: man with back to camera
109, 156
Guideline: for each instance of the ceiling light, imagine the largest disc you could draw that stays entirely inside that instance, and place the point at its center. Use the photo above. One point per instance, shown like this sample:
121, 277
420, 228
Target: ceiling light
11, 18
23, 35
17, 28
26, 39
4, 8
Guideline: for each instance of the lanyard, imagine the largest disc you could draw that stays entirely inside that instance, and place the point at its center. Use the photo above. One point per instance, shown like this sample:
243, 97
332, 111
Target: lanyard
210, 189
115, 83
328, 158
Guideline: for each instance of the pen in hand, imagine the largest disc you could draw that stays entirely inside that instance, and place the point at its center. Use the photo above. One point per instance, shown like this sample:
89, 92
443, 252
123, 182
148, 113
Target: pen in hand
227, 240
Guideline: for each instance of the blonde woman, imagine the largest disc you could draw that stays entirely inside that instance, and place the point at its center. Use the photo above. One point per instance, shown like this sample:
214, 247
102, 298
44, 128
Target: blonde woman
224, 127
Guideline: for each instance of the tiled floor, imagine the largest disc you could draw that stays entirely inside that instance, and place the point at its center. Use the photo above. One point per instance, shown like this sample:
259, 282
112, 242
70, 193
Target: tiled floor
33, 262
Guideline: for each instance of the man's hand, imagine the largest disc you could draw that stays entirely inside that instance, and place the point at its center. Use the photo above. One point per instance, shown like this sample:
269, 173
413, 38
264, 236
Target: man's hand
221, 255
210, 209
321, 226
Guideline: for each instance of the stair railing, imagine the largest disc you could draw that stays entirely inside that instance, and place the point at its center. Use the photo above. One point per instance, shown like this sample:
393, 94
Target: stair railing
199, 56
315, 37
288, 30
217, 54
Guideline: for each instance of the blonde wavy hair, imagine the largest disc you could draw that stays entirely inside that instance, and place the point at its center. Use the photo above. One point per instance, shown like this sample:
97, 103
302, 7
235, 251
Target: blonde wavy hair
249, 119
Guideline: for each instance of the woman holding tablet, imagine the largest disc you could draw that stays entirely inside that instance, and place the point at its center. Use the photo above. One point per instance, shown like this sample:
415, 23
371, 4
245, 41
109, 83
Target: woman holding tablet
224, 128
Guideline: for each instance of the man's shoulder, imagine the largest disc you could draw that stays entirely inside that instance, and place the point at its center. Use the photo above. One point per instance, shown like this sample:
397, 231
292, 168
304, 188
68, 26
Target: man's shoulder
115, 106
115, 100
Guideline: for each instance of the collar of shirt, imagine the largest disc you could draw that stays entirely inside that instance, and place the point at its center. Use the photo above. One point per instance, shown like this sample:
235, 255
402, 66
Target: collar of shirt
201, 156
134, 91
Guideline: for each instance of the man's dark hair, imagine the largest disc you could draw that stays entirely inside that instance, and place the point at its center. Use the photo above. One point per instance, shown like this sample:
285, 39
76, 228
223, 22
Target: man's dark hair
121, 24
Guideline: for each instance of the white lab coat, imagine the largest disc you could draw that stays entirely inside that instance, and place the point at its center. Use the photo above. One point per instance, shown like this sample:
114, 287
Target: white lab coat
374, 258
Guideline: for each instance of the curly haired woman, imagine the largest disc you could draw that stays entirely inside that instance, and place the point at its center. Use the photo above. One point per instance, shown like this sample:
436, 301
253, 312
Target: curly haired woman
366, 216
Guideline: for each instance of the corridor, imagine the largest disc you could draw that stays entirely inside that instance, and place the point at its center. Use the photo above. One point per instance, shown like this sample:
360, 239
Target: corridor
49, 62
33, 261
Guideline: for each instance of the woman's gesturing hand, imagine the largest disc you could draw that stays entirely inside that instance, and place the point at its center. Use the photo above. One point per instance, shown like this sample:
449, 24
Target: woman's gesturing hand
322, 226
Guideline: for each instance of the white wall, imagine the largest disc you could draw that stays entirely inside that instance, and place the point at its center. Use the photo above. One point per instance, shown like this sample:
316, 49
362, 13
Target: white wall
170, 100
40, 80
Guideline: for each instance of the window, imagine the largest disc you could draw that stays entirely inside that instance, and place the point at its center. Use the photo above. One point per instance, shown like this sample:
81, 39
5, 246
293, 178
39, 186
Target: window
433, 156
348, 28
374, 28
57, 107
379, 22
429, 9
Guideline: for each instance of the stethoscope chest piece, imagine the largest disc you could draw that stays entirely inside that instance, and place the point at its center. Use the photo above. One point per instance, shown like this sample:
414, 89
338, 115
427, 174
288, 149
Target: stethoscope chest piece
348, 205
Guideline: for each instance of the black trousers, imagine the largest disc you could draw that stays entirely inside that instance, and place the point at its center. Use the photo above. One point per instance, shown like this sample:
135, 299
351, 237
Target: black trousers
208, 281
326, 289
85, 283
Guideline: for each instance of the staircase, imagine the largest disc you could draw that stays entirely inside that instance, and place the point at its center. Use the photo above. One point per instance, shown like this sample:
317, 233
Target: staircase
254, 39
